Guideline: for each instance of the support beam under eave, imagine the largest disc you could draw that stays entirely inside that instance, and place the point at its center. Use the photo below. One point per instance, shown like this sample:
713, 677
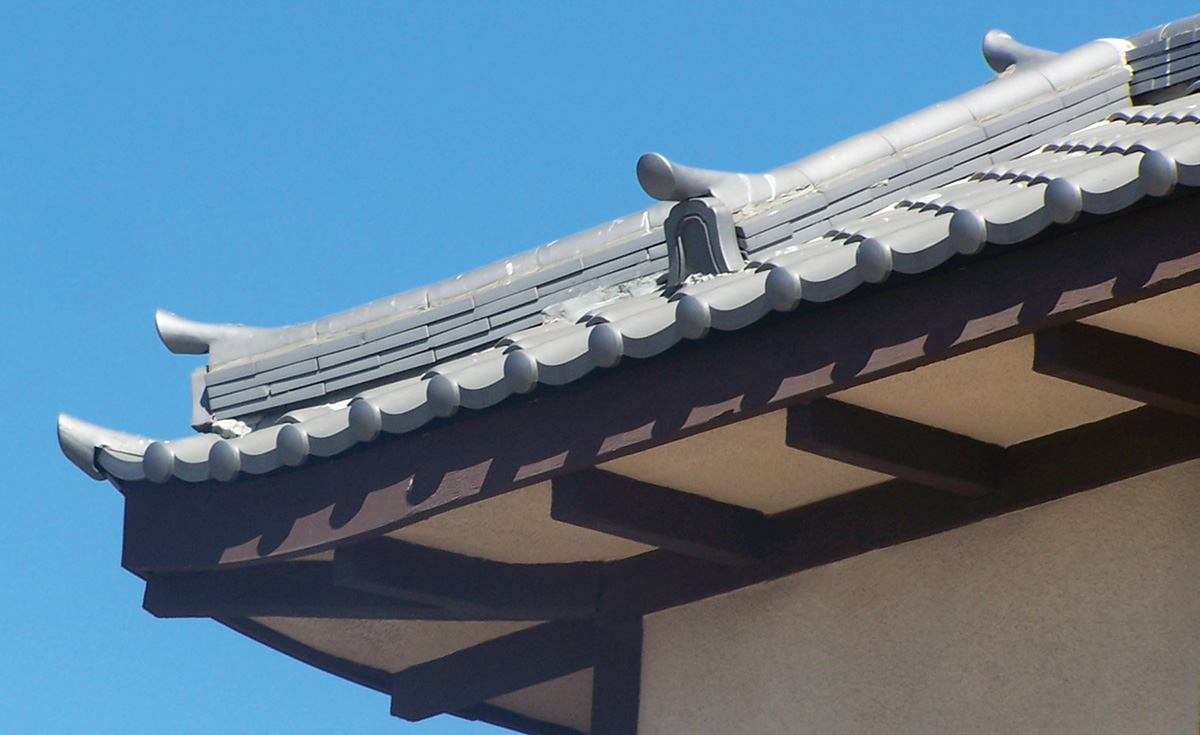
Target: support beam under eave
1121, 364
480, 588
1037, 471
617, 682
509, 720
493, 668
895, 446
659, 516
752, 370
286, 590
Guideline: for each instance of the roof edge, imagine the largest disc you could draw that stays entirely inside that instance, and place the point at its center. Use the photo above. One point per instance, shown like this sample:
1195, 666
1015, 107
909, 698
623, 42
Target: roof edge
81, 442
1037, 73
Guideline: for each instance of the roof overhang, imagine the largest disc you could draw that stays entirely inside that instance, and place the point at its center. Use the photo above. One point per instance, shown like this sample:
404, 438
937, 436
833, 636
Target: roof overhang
1064, 276
396, 550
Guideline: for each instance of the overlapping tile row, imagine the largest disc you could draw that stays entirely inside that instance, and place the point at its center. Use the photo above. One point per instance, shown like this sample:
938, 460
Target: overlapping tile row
1099, 170
1010, 116
326, 357
256, 374
1164, 57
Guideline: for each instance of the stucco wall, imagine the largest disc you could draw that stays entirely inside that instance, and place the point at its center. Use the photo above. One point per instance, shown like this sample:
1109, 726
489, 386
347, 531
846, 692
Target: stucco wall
1080, 616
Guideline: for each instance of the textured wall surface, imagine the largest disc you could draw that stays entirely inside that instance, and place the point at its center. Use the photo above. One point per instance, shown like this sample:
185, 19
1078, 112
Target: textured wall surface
1080, 616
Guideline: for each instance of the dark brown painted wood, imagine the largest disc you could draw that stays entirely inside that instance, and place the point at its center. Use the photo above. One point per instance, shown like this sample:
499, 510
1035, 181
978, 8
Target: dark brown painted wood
493, 668
380, 680
617, 679
366, 676
292, 589
696, 386
1121, 364
307, 590
480, 588
658, 516
512, 721
894, 446
1037, 471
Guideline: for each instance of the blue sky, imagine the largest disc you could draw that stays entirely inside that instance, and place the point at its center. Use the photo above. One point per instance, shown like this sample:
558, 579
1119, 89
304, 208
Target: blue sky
280, 162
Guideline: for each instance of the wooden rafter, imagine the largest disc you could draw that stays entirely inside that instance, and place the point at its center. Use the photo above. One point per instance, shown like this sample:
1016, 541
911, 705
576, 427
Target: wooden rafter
893, 512
379, 680
894, 446
658, 516
1036, 471
170, 535
1121, 364
729, 377
293, 589
493, 668
473, 588
616, 682
308, 590
366, 676
512, 721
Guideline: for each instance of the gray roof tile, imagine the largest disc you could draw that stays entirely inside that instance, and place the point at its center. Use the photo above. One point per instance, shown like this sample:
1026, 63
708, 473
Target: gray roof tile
1117, 78
117, 464
923, 245
728, 303
461, 346
258, 451
386, 369
404, 409
328, 435
1043, 143
509, 303
784, 211
350, 368
564, 357
216, 376
409, 338
648, 332
508, 321
288, 398
530, 337
918, 129
479, 378
246, 395
1097, 57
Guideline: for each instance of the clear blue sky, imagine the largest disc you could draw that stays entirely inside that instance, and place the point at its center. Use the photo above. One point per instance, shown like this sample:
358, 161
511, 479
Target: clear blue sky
278, 163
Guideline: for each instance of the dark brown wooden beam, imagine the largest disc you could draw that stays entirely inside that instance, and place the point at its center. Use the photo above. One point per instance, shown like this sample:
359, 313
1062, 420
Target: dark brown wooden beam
290, 590
658, 516
643, 403
380, 680
1121, 364
512, 721
894, 446
617, 679
493, 668
366, 676
1037, 471
482, 588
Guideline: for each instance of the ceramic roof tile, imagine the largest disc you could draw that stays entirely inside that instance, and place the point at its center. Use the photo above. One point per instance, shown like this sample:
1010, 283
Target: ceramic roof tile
561, 359
726, 303
922, 245
1041, 144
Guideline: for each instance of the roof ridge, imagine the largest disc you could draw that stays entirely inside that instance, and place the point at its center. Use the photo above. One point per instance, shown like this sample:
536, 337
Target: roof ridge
737, 191
903, 197
256, 373
1149, 153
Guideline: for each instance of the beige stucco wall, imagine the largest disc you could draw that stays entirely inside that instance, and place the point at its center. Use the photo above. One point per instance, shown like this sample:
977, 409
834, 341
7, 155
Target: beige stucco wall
1080, 616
